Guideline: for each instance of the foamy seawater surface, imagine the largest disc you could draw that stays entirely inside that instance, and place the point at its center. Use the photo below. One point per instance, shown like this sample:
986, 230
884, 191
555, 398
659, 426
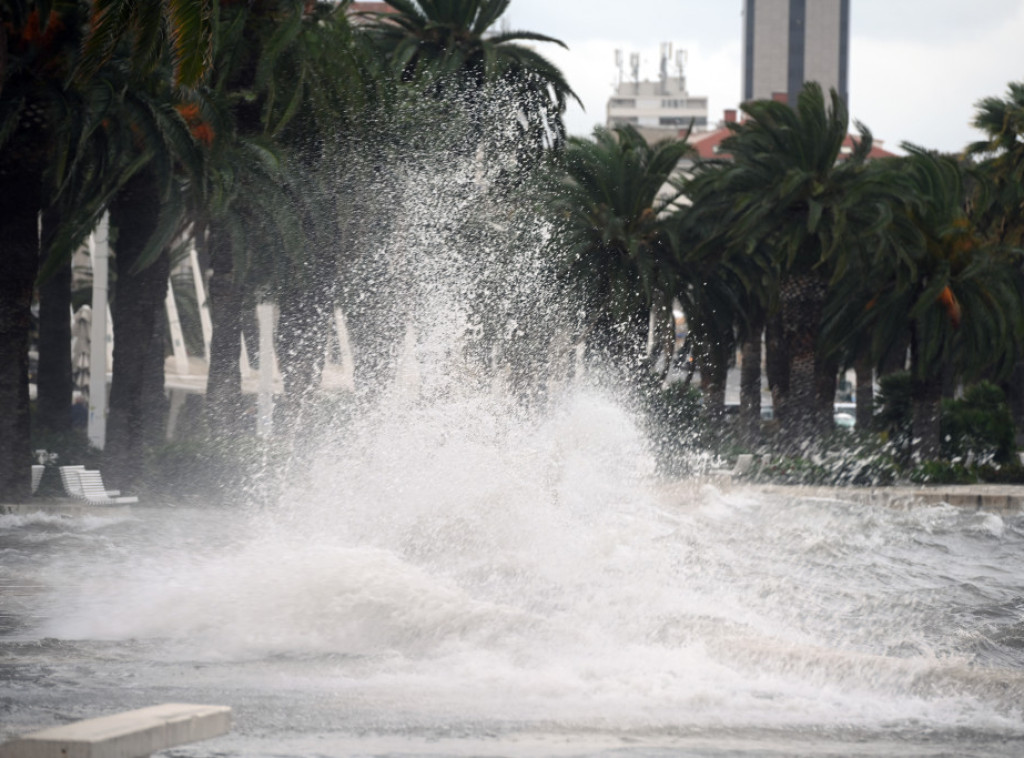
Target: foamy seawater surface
525, 588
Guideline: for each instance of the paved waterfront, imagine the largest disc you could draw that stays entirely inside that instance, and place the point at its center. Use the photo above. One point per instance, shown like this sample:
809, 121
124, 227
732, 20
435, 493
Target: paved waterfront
61, 506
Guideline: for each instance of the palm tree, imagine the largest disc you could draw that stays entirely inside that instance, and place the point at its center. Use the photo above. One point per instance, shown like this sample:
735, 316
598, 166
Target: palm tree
960, 293
243, 196
158, 156
341, 87
289, 81
792, 194
43, 124
448, 46
616, 252
735, 289
998, 195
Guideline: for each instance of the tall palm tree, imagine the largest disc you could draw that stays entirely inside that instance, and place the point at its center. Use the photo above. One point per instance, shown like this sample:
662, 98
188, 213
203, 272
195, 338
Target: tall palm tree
998, 195
735, 290
960, 294
43, 123
812, 211
289, 80
244, 196
616, 251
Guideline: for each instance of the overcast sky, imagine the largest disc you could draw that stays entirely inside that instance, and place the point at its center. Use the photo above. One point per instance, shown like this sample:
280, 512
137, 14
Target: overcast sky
917, 67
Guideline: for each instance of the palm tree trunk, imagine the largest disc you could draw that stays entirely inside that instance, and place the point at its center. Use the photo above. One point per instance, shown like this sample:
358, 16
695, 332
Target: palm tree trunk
139, 297
1014, 389
54, 381
865, 392
805, 410
926, 393
750, 390
306, 304
223, 404
302, 330
895, 358
156, 405
777, 363
620, 346
714, 369
369, 291
19, 250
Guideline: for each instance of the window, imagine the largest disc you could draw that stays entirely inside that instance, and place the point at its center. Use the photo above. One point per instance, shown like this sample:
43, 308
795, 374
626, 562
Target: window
682, 120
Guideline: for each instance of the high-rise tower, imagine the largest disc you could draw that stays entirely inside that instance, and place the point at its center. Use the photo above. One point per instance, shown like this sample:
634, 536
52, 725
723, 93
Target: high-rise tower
789, 42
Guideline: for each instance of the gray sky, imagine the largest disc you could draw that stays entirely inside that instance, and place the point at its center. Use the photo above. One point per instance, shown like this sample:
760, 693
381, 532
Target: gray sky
917, 67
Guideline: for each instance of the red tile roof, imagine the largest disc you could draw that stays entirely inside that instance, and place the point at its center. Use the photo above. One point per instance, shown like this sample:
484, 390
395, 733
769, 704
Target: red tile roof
369, 7
707, 144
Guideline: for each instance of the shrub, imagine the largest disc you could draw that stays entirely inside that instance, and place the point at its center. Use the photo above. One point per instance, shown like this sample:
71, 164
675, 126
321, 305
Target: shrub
978, 426
942, 472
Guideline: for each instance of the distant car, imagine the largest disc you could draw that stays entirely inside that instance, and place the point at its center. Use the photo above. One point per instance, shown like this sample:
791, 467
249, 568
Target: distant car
844, 420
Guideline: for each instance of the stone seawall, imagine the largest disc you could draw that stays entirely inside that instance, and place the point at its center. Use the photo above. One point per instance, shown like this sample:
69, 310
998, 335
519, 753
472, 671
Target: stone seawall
997, 498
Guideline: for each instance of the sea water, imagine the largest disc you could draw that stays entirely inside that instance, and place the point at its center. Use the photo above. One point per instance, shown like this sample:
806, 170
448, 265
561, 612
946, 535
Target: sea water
460, 583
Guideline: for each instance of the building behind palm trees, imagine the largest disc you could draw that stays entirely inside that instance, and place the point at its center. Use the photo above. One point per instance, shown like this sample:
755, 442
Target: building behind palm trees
789, 42
657, 109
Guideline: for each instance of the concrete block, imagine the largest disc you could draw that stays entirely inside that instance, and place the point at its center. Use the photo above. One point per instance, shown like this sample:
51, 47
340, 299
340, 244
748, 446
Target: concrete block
133, 734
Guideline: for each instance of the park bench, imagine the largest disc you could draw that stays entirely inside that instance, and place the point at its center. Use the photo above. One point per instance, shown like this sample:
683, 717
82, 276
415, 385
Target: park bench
87, 485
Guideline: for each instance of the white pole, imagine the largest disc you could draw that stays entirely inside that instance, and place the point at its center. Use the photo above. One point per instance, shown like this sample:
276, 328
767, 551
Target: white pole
204, 306
99, 251
265, 403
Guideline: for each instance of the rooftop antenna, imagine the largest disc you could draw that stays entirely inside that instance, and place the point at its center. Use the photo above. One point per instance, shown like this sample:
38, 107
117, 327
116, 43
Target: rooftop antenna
634, 65
681, 58
618, 64
666, 55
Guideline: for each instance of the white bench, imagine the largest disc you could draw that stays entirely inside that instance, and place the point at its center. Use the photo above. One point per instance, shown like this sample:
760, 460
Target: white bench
134, 734
95, 493
88, 485
69, 478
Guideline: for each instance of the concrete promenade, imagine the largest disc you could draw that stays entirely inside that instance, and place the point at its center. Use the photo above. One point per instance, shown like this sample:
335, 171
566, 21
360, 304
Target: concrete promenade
62, 506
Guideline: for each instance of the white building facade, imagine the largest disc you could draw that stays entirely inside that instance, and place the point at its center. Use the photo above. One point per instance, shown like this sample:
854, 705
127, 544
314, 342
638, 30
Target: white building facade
658, 109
